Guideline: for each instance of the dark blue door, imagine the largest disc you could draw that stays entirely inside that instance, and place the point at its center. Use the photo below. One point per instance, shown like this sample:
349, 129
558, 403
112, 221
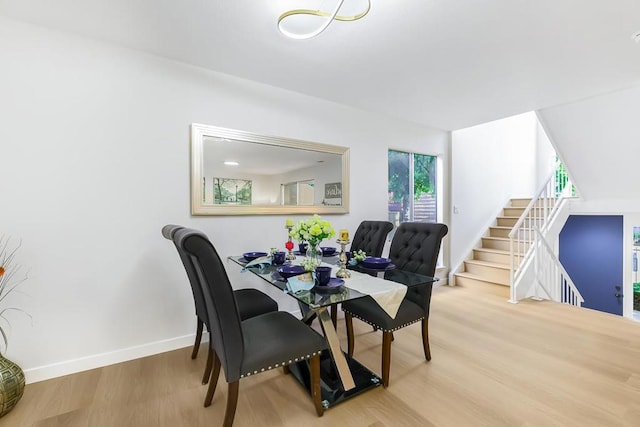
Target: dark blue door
591, 251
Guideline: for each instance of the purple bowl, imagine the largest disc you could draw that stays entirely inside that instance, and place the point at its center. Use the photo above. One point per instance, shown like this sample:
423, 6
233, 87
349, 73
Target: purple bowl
250, 256
287, 271
327, 250
375, 262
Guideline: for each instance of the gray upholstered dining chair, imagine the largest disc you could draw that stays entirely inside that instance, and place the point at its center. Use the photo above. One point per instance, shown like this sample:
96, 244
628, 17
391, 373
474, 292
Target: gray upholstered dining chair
247, 347
251, 302
370, 237
414, 248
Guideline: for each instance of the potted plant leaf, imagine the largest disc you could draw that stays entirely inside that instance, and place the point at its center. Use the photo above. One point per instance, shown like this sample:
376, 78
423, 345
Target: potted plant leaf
11, 375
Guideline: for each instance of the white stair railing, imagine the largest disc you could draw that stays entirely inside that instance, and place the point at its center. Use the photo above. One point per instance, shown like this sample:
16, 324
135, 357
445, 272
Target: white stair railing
551, 277
539, 212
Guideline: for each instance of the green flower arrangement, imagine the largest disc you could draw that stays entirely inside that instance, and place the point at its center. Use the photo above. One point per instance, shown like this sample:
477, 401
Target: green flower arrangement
312, 230
309, 264
359, 255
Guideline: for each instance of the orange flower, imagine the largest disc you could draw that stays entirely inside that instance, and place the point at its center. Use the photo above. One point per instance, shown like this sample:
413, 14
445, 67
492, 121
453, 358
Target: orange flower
1, 270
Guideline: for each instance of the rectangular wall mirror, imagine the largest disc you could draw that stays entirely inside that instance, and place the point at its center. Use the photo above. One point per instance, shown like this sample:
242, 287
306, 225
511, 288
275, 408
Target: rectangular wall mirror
241, 173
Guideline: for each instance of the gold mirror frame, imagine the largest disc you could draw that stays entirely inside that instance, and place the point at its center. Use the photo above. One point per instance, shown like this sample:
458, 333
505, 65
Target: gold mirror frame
198, 134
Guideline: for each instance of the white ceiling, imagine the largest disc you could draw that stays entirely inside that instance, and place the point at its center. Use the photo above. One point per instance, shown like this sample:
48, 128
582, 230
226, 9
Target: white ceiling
448, 64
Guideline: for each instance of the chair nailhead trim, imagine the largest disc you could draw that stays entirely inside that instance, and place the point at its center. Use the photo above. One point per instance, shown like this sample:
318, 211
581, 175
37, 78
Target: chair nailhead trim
378, 326
284, 363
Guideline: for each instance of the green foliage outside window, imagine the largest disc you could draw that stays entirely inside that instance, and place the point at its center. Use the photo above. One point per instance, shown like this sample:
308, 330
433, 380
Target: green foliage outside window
424, 178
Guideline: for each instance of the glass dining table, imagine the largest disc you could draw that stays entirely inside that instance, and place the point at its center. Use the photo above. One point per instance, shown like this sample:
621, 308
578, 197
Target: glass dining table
342, 377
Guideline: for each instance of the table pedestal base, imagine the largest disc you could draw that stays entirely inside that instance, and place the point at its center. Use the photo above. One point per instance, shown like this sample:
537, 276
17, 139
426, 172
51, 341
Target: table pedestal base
330, 384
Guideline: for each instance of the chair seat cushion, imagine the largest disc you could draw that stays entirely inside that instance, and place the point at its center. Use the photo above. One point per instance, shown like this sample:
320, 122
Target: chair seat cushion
277, 339
252, 302
368, 310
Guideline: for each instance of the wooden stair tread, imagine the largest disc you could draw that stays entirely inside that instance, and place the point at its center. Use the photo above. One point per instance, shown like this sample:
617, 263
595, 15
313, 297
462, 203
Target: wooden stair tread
488, 264
495, 251
496, 238
479, 278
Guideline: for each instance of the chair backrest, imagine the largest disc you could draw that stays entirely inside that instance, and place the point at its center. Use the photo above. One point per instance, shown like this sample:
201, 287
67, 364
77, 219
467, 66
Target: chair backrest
169, 232
370, 237
415, 248
224, 318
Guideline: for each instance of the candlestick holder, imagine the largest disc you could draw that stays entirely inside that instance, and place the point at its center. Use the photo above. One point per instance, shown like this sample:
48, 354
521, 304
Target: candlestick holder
342, 271
290, 256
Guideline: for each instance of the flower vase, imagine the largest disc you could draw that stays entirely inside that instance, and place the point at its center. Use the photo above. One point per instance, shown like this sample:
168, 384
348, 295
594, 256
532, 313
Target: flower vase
11, 384
314, 252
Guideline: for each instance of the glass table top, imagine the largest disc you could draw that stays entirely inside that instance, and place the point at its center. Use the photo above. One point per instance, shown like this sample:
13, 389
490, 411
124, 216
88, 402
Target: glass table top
319, 298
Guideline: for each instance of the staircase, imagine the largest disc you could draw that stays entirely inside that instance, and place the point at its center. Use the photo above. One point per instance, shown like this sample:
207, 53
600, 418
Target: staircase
490, 263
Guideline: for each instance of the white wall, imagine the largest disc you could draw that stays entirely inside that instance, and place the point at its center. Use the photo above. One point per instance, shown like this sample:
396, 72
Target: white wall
597, 139
491, 163
95, 160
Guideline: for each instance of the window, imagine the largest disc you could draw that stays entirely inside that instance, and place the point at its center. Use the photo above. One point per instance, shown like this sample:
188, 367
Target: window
412, 187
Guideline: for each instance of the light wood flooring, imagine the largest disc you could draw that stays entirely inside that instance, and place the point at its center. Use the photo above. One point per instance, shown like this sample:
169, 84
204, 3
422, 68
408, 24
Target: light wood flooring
494, 364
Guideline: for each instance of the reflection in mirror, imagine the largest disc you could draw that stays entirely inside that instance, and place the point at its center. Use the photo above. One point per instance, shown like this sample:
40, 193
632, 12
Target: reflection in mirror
236, 172
299, 193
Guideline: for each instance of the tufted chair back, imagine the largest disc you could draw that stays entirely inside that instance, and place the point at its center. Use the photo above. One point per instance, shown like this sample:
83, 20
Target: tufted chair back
169, 232
370, 237
222, 310
415, 248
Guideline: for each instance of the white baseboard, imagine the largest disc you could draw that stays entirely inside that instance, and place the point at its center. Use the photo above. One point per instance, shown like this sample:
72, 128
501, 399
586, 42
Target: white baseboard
73, 366
67, 367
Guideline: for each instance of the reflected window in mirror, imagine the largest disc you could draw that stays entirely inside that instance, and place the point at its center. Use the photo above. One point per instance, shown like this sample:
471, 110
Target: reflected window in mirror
298, 193
243, 173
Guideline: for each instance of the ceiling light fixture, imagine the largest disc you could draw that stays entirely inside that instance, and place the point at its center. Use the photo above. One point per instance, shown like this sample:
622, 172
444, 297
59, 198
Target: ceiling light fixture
231, 163
306, 23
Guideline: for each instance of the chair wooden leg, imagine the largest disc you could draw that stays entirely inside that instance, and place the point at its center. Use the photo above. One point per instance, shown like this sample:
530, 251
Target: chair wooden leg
334, 314
316, 394
425, 339
213, 382
196, 345
209, 365
348, 321
232, 403
387, 337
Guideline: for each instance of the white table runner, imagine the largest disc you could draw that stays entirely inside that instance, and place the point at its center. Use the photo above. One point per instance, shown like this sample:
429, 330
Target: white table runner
386, 293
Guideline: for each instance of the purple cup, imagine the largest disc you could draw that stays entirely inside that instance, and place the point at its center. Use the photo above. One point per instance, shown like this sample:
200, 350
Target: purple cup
323, 275
279, 257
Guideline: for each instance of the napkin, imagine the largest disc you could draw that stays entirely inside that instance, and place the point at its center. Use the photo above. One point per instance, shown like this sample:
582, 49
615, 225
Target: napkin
303, 282
261, 262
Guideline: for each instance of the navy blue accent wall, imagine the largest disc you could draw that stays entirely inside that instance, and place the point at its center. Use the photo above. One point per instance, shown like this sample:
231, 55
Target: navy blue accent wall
591, 250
